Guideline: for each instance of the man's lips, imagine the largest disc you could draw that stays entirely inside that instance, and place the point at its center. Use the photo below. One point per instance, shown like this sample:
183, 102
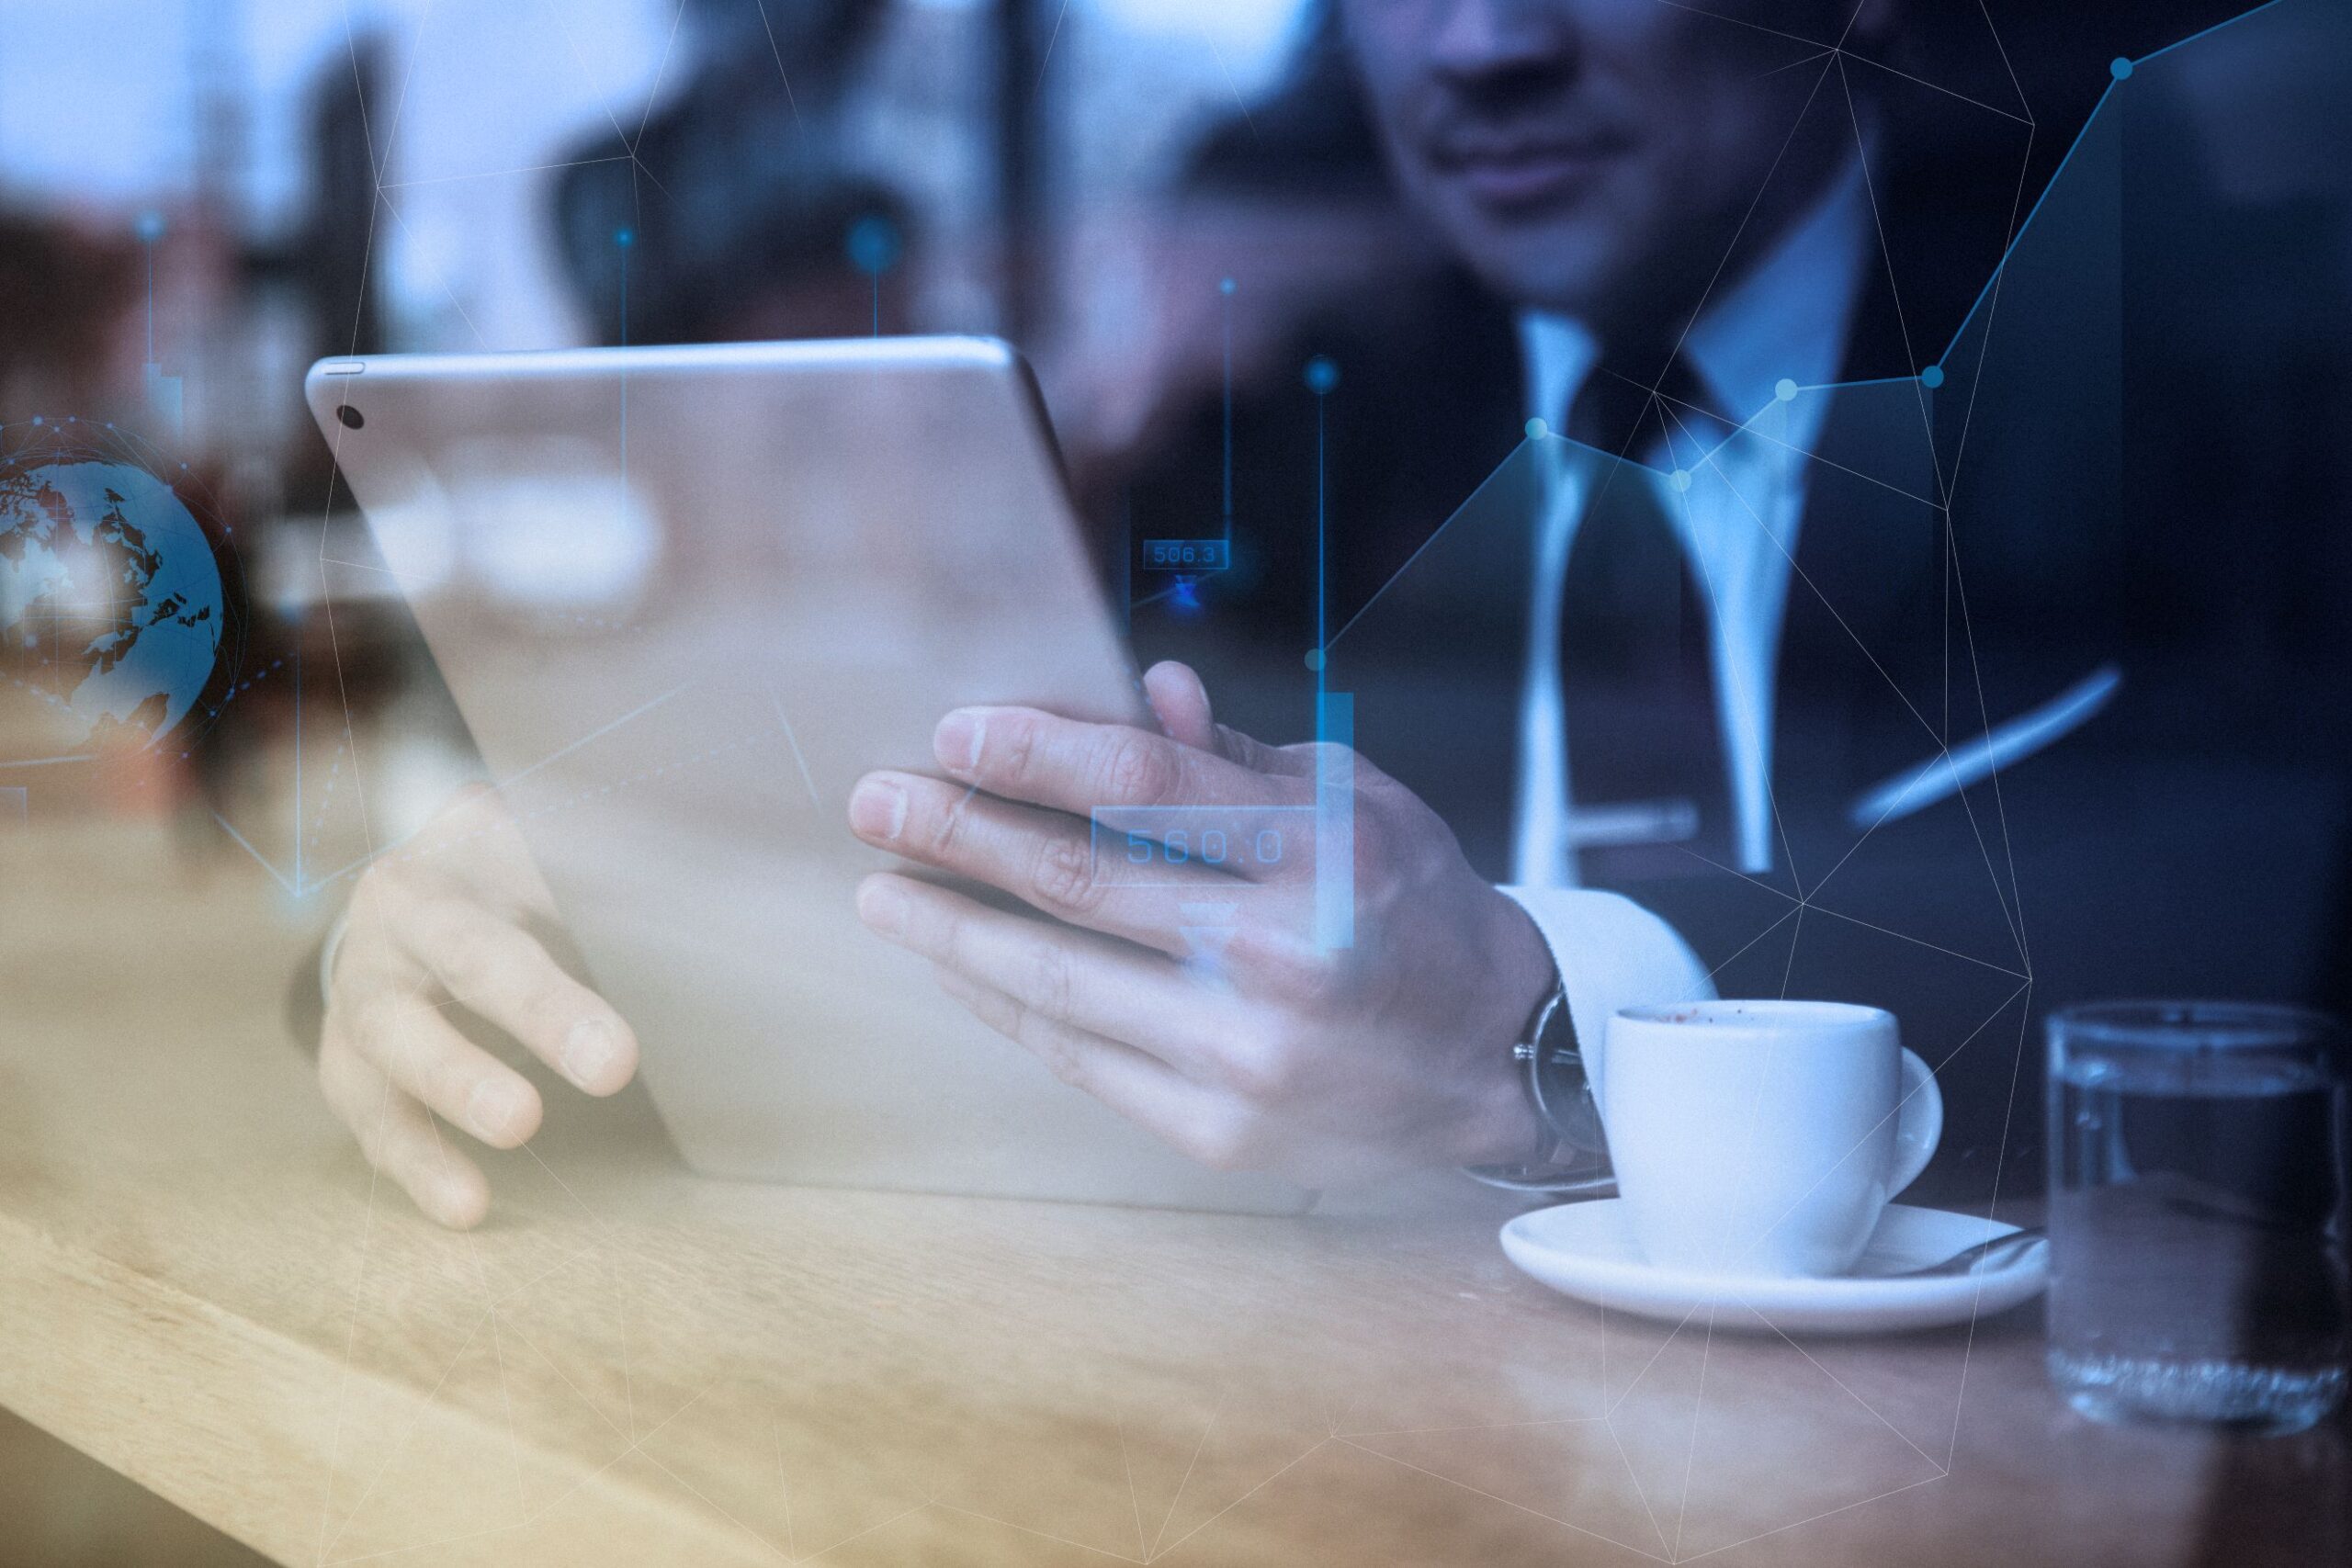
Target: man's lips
1525, 173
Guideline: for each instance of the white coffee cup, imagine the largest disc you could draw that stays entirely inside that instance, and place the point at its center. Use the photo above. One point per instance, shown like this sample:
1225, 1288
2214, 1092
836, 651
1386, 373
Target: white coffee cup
1762, 1138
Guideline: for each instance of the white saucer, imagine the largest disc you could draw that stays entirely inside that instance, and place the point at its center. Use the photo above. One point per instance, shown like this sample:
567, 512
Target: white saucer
1587, 1250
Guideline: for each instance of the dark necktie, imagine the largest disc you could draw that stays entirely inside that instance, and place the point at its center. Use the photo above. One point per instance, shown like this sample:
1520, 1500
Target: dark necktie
1635, 681
1628, 403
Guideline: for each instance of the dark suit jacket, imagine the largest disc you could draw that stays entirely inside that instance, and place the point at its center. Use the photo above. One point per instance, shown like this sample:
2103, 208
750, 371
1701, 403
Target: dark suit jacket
2137, 462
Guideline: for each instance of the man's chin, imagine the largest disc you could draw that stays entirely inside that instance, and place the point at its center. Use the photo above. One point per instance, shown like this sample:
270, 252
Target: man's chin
1571, 265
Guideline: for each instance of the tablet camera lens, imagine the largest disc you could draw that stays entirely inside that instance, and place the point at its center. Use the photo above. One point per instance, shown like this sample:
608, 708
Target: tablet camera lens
352, 418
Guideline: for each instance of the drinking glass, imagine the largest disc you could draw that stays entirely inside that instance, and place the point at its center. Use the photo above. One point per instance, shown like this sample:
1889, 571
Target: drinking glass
2198, 1213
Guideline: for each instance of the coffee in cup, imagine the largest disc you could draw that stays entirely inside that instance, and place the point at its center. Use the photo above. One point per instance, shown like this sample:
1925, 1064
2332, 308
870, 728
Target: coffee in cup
1762, 1138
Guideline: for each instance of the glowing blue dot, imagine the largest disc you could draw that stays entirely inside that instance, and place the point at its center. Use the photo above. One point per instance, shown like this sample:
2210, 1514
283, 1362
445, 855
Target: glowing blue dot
1315, 658
1321, 375
1537, 430
873, 245
1680, 479
150, 226
624, 238
2118, 68
1226, 288
36, 419
1932, 377
1785, 389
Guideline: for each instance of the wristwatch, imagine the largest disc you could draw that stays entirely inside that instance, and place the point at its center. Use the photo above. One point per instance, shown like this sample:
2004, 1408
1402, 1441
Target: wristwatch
1574, 1157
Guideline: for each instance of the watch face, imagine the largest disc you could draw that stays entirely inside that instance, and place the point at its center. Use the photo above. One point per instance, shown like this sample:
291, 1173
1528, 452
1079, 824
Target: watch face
1562, 1090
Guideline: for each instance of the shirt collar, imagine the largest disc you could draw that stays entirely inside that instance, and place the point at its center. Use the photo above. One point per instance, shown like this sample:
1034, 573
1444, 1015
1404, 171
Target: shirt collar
1786, 318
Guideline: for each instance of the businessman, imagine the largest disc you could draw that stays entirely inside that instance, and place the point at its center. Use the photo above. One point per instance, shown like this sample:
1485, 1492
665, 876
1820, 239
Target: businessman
1710, 688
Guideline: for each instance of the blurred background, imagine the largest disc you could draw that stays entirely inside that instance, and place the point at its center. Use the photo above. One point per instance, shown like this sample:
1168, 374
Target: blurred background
1168, 205
199, 199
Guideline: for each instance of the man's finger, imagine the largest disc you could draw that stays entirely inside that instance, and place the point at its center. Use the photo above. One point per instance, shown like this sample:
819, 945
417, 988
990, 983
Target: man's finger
400, 1140
495, 864
1182, 703
1259, 758
1138, 1086
1090, 983
426, 1057
501, 971
1023, 754
473, 842
1048, 859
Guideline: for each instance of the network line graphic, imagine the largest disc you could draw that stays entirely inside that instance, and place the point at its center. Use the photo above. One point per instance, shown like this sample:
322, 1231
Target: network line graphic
1698, 457
164, 398
1192, 560
1693, 449
1141, 846
1667, 1506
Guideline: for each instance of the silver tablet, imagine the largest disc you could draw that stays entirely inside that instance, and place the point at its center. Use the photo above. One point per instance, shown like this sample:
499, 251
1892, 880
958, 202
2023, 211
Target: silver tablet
685, 598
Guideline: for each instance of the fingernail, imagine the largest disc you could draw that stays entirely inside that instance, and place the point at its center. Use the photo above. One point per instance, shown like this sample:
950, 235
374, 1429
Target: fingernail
883, 908
956, 743
588, 1051
492, 1109
456, 1199
878, 809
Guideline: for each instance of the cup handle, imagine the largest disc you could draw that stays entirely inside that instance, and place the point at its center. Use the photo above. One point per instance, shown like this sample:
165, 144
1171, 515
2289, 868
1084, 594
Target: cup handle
1920, 1124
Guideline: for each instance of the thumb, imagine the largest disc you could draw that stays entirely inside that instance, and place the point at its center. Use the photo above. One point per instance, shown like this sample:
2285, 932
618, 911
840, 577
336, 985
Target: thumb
1182, 704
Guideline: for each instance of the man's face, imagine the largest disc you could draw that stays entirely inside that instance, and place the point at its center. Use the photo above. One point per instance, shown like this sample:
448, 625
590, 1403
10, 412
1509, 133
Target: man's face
1598, 156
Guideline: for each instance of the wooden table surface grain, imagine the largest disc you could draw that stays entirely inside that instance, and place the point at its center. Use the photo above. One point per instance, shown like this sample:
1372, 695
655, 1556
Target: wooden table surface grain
201, 1287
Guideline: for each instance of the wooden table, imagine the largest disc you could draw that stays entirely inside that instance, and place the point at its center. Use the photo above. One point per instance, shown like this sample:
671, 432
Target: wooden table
201, 1287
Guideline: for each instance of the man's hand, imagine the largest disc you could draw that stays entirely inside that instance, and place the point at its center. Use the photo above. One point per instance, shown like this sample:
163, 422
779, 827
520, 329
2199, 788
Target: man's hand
442, 924
1273, 1056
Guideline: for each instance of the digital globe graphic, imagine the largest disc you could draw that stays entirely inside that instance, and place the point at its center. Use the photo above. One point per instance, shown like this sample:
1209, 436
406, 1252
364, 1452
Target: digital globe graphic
113, 616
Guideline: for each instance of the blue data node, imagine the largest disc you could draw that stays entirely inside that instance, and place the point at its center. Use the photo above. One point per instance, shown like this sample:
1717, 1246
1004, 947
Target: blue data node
1315, 658
1785, 389
1680, 479
625, 237
1537, 430
1226, 286
2118, 68
1932, 377
874, 245
1321, 375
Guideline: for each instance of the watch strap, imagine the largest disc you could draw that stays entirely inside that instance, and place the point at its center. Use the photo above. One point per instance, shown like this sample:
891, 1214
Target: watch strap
1573, 1157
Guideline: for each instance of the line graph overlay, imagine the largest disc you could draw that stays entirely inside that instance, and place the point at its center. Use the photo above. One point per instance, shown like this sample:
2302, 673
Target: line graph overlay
630, 1260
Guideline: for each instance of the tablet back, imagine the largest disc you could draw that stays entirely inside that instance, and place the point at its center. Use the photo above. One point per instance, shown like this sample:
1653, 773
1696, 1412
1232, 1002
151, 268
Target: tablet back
685, 598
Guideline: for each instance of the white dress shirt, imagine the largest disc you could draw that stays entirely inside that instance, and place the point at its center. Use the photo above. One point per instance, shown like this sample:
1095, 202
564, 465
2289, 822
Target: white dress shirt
1766, 352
